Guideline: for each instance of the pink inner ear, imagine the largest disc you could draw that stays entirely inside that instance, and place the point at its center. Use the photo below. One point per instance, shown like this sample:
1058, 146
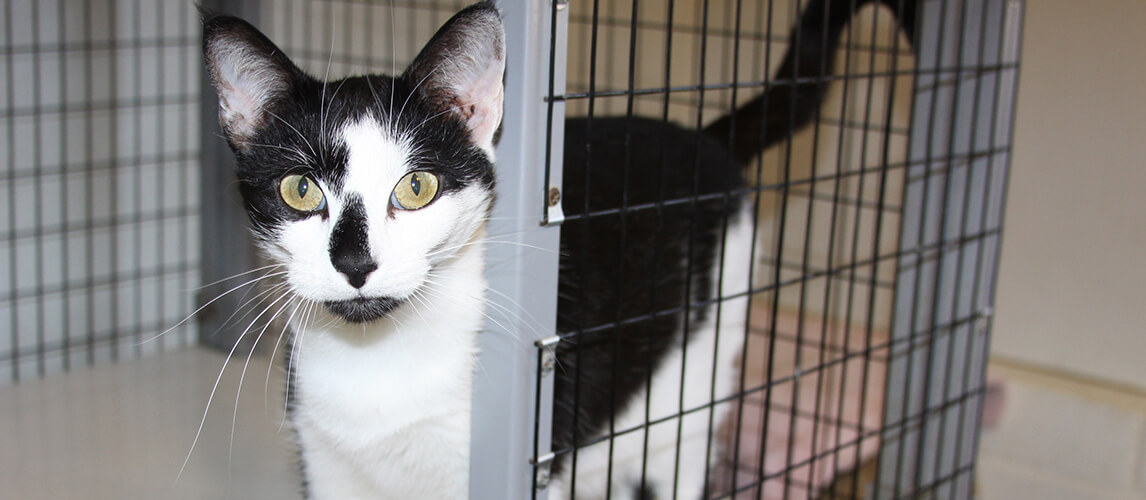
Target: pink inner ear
247, 81
480, 104
238, 111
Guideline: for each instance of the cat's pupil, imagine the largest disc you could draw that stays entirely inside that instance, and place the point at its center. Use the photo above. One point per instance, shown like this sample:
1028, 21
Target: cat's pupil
302, 187
415, 184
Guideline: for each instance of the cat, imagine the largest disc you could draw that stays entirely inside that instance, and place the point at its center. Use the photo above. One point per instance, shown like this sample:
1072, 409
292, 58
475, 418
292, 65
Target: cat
675, 273
371, 193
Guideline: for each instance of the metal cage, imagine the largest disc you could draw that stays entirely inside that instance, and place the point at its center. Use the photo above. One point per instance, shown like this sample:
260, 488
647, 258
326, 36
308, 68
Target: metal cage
879, 227
886, 244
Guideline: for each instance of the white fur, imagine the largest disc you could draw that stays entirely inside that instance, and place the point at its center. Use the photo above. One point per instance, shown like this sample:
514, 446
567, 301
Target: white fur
704, 348
383, 408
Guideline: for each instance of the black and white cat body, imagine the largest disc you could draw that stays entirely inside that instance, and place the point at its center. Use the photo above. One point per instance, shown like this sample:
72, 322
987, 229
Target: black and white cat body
676, 279
371, 194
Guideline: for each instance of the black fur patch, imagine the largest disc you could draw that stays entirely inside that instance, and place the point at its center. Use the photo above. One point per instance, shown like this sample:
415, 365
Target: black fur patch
642, 268
362, 310
631, 279
349, 248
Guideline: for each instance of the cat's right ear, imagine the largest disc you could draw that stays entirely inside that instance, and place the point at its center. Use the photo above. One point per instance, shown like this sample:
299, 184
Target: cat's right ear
250, 75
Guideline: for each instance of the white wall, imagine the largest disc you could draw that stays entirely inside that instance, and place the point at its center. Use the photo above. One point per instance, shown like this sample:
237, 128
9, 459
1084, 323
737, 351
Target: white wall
1072, 289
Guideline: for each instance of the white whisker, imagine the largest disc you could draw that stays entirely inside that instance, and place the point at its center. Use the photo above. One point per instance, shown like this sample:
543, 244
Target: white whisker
243, 375
247, 302
484, 314
295, 351
303, 137
244, 273
393, 64
214, 388
407, 101
204, 306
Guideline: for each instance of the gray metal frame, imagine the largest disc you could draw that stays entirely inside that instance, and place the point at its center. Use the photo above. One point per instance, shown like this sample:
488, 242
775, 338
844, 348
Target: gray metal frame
521, 260
949, 242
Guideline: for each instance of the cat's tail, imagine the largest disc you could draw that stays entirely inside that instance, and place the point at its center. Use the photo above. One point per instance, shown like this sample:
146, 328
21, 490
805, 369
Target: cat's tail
792, 98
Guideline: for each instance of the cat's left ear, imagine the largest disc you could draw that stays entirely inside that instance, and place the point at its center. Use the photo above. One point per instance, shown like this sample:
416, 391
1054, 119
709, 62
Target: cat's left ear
252, 76
460, 70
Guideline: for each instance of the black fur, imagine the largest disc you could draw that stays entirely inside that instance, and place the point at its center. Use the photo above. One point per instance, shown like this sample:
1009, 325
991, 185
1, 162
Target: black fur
793, 96
663, 263
362, 310
629, 279
349, 249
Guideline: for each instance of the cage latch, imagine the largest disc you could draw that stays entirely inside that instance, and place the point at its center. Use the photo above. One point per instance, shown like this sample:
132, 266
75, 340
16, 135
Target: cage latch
548, 353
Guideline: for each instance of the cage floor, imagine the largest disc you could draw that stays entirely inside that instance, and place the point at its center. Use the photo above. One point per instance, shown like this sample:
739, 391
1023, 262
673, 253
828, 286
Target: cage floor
123, 431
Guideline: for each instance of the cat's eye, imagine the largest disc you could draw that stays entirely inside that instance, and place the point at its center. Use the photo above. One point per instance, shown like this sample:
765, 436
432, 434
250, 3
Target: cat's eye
302, 193
415, 190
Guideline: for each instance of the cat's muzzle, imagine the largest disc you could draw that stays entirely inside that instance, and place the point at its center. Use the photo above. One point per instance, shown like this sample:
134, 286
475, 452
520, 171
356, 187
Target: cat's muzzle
362, 309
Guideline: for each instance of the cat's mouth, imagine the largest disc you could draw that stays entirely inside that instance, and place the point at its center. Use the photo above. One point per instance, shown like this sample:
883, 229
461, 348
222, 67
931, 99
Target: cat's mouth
362, 309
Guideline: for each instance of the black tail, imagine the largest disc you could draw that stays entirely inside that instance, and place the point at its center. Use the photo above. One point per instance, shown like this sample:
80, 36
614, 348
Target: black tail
793, 97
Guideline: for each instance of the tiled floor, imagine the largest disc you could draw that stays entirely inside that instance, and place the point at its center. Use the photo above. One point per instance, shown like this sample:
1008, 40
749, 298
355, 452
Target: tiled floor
1062, 438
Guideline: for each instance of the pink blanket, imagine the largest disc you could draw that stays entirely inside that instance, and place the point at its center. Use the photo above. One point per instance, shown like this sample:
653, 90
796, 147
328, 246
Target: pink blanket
825, 406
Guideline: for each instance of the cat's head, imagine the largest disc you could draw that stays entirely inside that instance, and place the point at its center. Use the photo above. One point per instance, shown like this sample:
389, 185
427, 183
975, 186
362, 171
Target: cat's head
360, 187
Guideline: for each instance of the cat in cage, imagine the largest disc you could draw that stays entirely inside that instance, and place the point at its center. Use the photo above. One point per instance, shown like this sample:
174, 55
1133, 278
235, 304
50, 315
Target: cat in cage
370, 194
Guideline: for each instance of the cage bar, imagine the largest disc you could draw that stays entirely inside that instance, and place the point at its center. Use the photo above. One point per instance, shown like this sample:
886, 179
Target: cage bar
949, 242
511, 413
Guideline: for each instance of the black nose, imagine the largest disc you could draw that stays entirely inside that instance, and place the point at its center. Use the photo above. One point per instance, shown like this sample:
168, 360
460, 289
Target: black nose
357, 272
349, 249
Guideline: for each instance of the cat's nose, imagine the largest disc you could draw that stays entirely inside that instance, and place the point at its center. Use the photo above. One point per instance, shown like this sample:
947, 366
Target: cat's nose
356, 273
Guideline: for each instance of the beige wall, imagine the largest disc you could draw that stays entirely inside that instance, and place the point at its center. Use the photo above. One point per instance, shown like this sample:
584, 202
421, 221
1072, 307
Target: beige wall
1072, 289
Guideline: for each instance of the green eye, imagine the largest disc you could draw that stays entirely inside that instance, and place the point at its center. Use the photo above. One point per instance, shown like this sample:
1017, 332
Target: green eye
415, 190
302, 193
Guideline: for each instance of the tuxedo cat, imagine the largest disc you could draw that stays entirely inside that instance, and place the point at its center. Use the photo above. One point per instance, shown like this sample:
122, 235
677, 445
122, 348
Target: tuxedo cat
371, 194
653, 299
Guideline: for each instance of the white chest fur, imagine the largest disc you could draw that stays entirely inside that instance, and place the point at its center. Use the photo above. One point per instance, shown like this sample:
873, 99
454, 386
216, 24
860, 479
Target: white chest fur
382, 410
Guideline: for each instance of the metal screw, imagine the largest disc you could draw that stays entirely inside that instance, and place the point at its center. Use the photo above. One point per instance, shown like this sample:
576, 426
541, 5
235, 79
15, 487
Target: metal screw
548, 354
554, 196
548, 361
980, 324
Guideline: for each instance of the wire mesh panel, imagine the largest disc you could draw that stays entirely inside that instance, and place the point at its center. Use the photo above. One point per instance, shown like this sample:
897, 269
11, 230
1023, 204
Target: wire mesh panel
98, 128
826, 393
